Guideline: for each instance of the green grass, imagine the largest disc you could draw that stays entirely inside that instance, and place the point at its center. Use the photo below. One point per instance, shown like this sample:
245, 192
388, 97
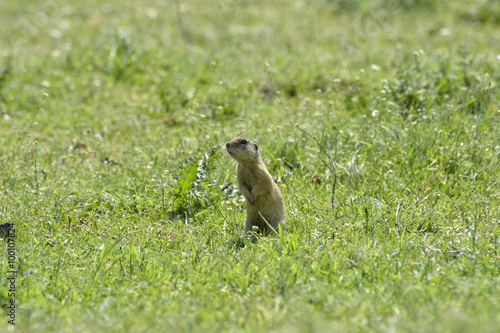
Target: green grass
132, 222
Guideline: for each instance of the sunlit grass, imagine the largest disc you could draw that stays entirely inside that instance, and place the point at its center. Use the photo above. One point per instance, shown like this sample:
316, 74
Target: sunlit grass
131, 220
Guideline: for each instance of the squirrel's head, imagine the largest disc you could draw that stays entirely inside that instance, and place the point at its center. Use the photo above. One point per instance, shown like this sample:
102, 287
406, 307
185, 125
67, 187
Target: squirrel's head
243, 150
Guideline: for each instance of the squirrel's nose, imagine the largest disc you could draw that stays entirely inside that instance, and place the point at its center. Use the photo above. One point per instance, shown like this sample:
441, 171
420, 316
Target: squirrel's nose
227, 145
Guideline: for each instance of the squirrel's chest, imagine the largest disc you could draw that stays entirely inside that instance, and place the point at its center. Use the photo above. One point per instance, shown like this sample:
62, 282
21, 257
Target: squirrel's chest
250, 182
249, 179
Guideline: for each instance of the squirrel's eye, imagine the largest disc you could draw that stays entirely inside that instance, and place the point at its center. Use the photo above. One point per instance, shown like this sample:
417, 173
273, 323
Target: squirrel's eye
244, 142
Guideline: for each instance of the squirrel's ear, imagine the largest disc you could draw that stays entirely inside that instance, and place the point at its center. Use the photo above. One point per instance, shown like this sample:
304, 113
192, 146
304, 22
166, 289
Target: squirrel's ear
256, 147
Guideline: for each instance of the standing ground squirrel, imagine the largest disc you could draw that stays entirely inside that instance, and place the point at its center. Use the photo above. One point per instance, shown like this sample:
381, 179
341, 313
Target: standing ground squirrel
263, 196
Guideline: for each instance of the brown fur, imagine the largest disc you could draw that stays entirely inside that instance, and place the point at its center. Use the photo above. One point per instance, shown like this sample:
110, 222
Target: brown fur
261, 192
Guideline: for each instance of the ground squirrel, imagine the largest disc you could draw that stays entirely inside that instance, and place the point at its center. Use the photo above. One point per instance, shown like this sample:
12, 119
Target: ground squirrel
263, 196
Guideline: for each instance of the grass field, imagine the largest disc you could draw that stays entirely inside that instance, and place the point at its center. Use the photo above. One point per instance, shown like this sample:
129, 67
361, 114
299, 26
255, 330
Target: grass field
128, 215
